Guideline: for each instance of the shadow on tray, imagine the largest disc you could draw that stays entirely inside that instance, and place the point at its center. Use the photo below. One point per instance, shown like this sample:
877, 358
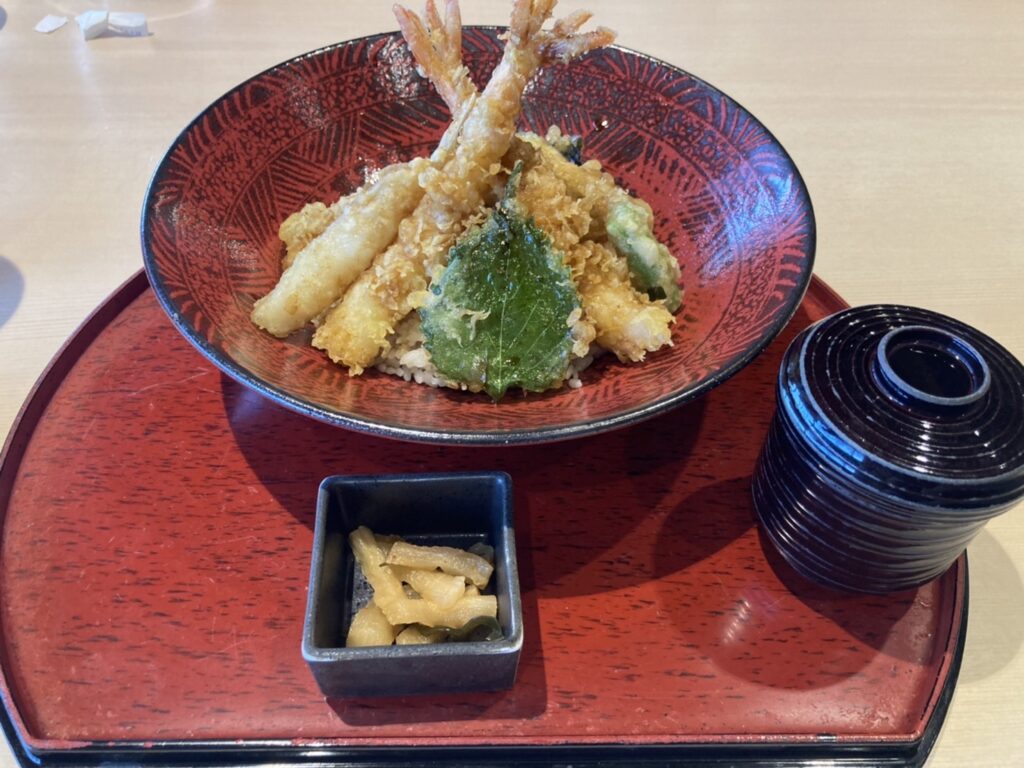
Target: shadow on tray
575, 502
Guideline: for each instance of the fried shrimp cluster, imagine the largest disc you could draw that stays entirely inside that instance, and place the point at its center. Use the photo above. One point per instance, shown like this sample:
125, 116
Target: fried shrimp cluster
361, 268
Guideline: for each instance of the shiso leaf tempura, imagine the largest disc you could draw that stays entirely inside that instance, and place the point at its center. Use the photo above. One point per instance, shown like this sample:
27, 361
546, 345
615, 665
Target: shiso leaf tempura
503, 312
502, 261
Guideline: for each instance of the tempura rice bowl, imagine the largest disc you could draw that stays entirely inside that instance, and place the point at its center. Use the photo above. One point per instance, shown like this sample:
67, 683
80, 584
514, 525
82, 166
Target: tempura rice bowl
728, 202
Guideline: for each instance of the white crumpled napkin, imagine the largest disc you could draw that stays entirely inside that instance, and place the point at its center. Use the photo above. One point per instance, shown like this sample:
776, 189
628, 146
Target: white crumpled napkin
50, 23
95, 23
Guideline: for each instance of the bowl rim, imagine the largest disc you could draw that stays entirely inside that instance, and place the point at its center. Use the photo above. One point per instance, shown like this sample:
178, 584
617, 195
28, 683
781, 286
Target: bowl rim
448, 436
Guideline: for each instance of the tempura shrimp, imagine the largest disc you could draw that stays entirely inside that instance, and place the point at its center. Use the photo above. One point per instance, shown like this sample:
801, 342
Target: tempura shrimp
624, 320
356, 330
571, 203
302, 227
320, 272
358, 227
628, 323
625, 220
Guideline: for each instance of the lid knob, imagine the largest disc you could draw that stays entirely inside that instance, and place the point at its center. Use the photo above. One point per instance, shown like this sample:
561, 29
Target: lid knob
930, 366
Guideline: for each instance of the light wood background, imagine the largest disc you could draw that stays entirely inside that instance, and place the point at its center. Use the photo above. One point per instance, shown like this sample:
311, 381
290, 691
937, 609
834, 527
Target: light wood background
905, 118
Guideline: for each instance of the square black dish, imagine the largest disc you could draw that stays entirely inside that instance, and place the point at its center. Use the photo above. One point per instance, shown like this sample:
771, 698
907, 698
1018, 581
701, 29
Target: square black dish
457, 510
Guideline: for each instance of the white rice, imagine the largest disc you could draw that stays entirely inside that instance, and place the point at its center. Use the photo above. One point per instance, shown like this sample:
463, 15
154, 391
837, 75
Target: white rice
408, 359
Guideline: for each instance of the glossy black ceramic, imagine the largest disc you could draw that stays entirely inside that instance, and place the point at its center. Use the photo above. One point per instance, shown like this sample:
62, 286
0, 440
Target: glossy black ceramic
456, 509
899, 433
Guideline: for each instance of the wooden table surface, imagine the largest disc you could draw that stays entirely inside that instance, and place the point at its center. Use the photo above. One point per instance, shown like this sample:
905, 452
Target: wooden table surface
906, 120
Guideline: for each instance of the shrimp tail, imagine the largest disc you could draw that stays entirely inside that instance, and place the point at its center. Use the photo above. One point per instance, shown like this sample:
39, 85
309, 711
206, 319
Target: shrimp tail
564, 44
572, 22
431, 16
436, 44
453, 24
563, 41
446, 33
528, 16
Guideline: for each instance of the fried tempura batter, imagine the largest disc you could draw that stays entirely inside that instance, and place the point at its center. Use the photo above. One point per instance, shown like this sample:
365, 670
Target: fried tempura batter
623, 320
628, 323
356, 331
342, 241
330, 262
625, 220
359, 267
303, 226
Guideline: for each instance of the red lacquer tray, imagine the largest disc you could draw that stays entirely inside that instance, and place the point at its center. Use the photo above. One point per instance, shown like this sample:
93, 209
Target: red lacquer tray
157, 524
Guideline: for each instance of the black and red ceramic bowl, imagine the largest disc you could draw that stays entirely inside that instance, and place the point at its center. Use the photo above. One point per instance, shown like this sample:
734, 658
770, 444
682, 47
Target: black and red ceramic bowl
728, 202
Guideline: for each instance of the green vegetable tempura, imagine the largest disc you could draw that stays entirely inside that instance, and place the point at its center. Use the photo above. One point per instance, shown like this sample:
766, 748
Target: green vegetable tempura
501, 313
652, 267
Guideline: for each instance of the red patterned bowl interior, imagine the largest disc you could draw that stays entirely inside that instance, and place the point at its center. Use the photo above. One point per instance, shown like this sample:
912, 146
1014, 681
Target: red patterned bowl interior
728, 202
